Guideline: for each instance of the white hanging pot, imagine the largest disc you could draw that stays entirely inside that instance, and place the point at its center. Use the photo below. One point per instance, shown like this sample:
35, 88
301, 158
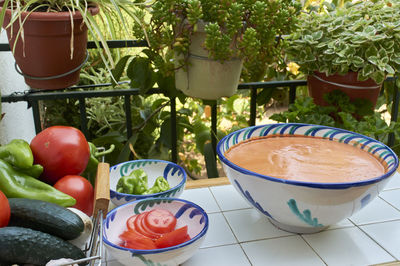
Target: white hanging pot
205, 78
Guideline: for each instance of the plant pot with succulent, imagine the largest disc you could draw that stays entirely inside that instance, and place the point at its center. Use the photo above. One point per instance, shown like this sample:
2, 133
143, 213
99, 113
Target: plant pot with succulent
351, 48
208, 44
49, 38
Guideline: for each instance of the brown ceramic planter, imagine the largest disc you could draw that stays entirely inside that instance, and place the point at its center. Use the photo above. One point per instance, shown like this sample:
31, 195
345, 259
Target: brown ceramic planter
320, 84
46, 49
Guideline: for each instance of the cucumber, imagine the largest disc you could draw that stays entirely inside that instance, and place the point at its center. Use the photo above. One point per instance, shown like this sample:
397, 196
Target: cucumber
46, 217
26, 246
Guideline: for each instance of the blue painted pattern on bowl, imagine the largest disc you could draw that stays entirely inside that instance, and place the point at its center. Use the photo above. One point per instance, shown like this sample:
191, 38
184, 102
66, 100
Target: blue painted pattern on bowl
306, 207
186, 212
173, 173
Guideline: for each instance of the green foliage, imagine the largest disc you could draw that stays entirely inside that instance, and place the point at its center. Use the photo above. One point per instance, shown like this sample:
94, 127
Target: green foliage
362, 37
341, 113
234, 29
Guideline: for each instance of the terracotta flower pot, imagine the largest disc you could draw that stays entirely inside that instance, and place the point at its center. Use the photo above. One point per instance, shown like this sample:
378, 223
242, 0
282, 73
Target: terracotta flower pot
45, 51
320, 84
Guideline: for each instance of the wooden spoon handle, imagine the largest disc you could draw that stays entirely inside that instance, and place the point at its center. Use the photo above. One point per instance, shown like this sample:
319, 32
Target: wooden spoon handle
102, 189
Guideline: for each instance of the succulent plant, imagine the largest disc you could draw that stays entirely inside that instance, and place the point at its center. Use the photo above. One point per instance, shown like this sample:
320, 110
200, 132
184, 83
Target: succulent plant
248, 29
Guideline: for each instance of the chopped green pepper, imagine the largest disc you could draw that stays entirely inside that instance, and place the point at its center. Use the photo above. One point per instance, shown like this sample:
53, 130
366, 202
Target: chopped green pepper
134, 183
18, 153
15, 184
160, 185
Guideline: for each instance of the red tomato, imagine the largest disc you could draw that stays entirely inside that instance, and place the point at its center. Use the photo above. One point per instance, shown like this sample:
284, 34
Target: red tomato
4, 210
173, 238
160, 221
61, 150
134, 240
80, 189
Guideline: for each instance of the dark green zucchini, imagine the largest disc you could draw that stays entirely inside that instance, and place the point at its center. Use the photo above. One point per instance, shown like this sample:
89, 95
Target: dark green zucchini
46, 217
21, 245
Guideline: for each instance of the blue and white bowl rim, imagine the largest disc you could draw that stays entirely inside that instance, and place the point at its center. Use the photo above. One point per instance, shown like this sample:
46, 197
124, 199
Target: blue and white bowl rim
155, 194
339, 185
159, 250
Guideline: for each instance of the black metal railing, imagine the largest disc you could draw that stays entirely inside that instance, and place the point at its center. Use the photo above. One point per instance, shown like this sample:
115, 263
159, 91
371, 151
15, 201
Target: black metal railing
81, 93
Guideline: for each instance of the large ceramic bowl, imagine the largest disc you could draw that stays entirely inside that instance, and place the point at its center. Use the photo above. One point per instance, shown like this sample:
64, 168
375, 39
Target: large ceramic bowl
187, 213
173, 173
306, 207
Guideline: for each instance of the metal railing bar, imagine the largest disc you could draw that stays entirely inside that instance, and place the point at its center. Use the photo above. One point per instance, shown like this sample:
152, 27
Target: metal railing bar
272, 84
214, 126
253, 106
174, 138
119, 44
128, 116
83, 117
5, 47
292, 94
36, 115
29, 96
74, 93
394, 113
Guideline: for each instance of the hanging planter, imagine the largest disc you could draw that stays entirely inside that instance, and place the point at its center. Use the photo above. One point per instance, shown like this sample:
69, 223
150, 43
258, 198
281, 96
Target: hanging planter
319, 84
203, 77
49, 56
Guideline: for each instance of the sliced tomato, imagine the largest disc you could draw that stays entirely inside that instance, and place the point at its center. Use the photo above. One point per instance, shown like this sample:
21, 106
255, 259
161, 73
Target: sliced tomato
142, 229
134, 240
160, 221
130, 223
173, 238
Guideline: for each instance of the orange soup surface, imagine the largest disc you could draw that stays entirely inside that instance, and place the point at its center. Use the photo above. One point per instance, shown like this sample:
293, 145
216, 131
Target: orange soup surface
307, 159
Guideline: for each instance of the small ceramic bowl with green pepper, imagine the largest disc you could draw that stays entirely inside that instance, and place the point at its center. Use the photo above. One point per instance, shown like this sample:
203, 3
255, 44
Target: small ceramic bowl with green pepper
140, 179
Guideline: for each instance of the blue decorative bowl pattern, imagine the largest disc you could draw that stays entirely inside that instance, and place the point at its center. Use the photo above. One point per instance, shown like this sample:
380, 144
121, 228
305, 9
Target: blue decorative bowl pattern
173, 173
306, 207
186, 212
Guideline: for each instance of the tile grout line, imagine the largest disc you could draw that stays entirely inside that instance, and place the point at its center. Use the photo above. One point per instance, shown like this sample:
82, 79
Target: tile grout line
389, 202
375, 241
308, 244
370, 237
230, 228
378, 222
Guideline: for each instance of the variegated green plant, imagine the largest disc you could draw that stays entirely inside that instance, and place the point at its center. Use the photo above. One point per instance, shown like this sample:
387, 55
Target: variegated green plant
362, 36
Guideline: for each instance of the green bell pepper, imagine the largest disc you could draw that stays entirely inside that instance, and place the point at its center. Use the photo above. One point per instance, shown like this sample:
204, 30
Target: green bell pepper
18, 153
160, 185
134, 183
15, 184
35, 170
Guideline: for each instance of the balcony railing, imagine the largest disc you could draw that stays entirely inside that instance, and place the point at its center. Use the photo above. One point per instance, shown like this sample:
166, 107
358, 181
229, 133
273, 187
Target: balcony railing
76, 92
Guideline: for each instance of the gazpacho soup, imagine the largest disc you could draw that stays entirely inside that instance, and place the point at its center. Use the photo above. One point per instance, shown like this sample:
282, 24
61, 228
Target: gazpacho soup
308, 159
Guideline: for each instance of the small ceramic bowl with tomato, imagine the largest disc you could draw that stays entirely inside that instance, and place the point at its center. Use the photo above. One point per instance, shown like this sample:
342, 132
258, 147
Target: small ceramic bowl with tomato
155, 231
156, 173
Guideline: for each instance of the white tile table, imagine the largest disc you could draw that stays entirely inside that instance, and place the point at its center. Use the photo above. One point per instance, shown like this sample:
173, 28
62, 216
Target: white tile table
239, 236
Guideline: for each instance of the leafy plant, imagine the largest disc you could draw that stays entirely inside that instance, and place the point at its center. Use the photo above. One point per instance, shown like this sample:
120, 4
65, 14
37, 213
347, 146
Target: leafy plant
341, 113
361, 36
234, 29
